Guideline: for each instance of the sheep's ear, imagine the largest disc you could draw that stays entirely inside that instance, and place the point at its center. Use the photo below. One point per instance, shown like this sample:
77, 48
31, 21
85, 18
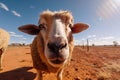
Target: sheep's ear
29, 29
78, 27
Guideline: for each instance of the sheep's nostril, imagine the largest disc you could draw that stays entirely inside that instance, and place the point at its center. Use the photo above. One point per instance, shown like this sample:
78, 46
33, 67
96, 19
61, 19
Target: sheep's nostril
50, 46
61, 46
56, 47
53, 47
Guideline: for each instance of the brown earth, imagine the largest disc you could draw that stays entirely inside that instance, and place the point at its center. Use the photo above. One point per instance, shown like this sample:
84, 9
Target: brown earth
100, 63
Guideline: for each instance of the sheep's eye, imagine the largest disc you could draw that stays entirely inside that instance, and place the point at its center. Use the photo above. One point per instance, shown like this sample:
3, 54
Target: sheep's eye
42, 26
70, 25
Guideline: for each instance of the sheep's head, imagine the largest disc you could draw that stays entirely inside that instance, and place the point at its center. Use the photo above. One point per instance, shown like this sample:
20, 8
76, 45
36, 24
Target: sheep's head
56, 29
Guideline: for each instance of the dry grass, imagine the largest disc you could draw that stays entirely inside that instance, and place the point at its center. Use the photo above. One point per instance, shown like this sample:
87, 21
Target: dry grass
113, 66
103, 75
107, 71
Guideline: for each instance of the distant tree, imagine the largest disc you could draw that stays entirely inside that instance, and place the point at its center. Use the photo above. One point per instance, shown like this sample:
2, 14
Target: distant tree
104, 45
93, 44
12, 44
23, 44
19, 44
115, 43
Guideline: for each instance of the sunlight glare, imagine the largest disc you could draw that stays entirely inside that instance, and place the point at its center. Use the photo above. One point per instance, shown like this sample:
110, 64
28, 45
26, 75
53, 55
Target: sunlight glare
109, 9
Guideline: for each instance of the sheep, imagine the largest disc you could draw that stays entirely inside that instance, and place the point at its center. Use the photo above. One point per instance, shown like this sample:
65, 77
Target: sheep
4, 40
51, 49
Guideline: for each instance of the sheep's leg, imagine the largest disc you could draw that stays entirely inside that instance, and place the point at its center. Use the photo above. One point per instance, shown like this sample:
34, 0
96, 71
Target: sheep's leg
39, 75
59, 75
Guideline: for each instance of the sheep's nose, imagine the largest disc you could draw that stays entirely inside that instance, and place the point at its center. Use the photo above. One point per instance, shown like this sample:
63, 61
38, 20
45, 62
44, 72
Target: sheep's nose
55, 47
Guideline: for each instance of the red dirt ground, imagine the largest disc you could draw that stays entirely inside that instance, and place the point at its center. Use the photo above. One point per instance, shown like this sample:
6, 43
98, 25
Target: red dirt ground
100, 63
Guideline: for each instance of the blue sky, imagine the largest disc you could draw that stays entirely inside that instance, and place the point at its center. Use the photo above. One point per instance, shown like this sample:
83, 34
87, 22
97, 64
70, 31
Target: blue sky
103, 16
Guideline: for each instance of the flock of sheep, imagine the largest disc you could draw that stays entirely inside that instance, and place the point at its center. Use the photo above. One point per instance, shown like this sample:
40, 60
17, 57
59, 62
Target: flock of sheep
51, 49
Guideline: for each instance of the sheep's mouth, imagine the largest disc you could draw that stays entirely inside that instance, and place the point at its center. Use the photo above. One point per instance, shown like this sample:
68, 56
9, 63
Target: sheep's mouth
57, 61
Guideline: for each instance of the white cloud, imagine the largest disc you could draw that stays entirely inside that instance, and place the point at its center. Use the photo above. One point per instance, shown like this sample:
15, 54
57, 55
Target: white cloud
3, 6
83, 39
17, 38
24, 38
100, 19
97, 40
91, 36
16, 13
107, 38
13, 34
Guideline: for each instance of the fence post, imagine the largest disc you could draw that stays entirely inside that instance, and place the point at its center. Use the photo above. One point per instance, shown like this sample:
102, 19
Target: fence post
87, 45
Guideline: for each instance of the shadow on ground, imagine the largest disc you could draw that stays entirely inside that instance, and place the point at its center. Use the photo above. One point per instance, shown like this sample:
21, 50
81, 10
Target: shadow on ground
18, 74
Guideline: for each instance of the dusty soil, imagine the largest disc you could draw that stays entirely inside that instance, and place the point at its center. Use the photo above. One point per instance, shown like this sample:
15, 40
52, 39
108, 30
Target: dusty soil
100, 63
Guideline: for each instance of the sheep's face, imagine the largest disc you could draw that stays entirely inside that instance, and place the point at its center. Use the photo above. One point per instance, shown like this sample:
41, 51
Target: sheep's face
56, 35
56, 29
